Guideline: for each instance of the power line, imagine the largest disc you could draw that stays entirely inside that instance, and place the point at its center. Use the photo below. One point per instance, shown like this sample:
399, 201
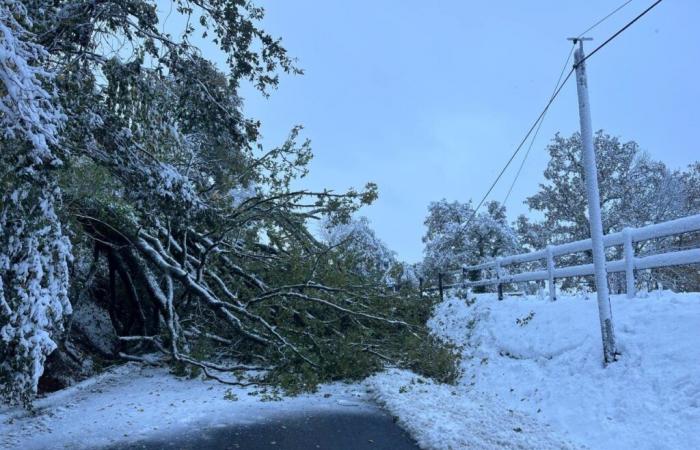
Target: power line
537, 130
612, 13
549, 103
539, 125
522, 163
620, 31
522, 142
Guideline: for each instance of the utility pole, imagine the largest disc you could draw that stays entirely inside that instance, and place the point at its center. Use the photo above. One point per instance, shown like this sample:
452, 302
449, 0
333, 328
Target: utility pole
594, 217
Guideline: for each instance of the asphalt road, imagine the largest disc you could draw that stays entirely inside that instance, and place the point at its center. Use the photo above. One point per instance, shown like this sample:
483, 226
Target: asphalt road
306, 431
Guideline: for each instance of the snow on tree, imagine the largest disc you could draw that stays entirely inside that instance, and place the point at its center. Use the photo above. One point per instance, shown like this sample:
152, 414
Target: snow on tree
34, 252
678, 278
531, 234
366, 254
691, 189
408, 275
456, 236
634, 189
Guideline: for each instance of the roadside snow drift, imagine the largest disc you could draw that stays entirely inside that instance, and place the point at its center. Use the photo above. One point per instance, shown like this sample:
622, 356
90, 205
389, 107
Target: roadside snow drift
448, 417
535, 366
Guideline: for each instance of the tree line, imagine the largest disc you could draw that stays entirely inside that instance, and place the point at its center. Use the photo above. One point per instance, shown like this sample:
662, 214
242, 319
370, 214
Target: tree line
635, 190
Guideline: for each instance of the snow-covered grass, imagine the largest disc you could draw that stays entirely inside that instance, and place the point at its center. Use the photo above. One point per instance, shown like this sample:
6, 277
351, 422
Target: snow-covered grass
130, 403
537, 363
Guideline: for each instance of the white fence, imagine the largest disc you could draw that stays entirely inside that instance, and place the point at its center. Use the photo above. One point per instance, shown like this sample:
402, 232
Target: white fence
628, 264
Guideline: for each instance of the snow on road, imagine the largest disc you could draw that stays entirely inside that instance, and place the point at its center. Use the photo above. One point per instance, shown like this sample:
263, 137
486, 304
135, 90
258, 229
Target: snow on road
131, 403
535, 367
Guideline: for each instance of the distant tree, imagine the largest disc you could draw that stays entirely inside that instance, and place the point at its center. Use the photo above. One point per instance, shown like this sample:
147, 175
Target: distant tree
532, 235
407, 275
455, 236
360, 249
680, 278
634, 190
691, 189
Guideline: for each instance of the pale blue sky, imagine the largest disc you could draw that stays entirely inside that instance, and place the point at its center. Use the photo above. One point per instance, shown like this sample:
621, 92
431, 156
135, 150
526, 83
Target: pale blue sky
429, 98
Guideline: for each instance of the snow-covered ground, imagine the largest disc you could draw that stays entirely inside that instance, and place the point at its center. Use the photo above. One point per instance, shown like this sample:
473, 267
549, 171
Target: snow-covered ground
533, 379
533, 376
130, 403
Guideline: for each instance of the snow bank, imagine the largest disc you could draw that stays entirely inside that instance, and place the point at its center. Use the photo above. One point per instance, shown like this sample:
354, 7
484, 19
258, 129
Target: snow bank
130, 403
448, 417
543, 360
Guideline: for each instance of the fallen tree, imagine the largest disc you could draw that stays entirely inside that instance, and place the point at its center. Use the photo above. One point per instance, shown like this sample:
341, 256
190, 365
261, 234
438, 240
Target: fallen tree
191, 235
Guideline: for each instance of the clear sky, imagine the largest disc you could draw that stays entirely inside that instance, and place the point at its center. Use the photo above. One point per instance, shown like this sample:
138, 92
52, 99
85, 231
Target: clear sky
429, 98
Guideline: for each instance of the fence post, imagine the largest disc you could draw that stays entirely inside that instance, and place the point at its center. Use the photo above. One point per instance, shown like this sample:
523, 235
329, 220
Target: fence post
498, 277
442, 296
474, 275
629, 263
465, 283
550, 274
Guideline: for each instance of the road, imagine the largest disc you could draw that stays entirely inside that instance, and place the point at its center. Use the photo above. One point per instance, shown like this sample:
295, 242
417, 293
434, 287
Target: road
300, 431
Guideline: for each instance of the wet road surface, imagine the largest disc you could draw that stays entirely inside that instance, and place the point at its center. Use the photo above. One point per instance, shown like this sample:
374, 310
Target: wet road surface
301, 431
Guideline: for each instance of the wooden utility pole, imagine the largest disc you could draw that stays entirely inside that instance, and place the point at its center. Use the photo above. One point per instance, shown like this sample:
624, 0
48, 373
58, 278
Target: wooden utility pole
594, 216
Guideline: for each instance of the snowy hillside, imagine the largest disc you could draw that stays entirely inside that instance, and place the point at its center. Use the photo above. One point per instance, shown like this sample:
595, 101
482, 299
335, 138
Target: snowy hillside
534, 367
